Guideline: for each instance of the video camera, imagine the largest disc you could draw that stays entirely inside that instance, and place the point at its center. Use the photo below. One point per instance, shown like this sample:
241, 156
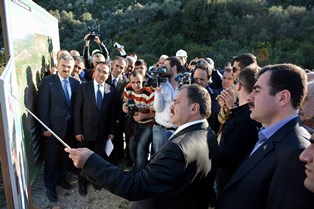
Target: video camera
132, 108
93, 31
184, 78
156, 76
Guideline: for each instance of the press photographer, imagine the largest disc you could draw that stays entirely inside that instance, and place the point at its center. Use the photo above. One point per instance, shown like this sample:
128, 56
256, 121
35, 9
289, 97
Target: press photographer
202, 76
138, 103
164, 95
93, 35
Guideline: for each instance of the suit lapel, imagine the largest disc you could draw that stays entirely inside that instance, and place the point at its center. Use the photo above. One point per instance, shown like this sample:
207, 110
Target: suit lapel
92, 93
262, 151
73, 88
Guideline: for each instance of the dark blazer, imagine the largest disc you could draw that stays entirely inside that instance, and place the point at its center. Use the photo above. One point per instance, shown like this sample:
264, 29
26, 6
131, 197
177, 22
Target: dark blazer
272, 177
88, 119
238, 139
53, 109
215, 107
122, 82
178, 176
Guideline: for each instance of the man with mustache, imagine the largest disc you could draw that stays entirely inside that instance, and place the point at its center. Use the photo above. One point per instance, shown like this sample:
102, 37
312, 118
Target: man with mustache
179, 174
272, 176
56, 96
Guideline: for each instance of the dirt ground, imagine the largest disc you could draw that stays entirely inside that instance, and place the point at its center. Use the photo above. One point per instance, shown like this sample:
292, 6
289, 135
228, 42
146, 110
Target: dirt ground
70, 199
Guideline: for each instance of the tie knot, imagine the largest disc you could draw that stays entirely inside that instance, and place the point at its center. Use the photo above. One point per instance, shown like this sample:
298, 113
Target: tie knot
65, 81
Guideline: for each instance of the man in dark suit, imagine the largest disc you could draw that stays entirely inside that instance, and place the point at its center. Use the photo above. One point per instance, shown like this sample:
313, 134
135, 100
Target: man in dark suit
180, 174
56, 97
239, 134
118, 81
94, 121
272, 176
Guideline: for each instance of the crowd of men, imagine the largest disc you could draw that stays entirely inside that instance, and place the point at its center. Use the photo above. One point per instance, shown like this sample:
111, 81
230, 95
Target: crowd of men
194, 136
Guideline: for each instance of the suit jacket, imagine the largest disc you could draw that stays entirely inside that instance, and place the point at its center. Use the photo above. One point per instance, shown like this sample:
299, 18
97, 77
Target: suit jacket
215, 107
122, 82
88, 119
179, 176
238, 139
272, 177
53, 108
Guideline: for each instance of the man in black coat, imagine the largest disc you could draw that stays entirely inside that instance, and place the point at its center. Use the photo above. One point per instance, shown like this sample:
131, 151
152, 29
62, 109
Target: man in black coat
56, 97
180, 174
118, 81
94, 121
272, 176
239, 133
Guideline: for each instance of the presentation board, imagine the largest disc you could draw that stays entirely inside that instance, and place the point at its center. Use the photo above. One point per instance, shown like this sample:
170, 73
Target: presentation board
31, 40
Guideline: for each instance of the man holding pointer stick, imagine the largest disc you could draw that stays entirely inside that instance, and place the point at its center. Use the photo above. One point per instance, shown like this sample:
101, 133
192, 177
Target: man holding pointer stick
180, 175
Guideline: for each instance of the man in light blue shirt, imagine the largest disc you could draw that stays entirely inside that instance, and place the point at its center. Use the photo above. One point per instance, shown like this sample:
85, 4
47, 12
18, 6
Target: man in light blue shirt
272, 176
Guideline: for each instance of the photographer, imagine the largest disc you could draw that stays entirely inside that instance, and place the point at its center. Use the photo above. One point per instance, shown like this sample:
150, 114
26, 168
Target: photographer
164, 95
138, 103
202, 76
86, 53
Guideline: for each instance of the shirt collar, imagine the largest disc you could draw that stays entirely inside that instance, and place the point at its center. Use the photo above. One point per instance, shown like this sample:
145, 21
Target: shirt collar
269, 131
61, 78
96, 84
189, 124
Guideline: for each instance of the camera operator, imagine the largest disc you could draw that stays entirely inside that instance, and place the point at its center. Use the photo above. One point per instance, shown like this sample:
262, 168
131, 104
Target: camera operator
164, 95
86, 52
202, 76
138, 103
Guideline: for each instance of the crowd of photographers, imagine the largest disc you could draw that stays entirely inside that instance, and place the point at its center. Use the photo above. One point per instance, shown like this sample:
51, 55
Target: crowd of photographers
95, 101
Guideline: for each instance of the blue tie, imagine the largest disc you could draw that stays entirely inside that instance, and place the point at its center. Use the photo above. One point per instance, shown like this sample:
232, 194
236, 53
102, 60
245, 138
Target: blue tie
66, 92
99, 97
114, 81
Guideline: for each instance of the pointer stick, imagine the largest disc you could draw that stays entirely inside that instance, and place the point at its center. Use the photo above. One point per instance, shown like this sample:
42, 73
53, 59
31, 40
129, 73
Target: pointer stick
42, 123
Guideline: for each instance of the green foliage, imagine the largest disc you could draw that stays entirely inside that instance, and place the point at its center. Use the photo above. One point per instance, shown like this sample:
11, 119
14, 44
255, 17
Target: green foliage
274, 30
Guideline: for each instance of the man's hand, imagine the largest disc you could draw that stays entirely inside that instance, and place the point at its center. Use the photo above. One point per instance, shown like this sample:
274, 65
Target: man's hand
111, 136
125, 108
138, 116
228, 96
79, 156
157, 89
47, 134
79, 137
97, 40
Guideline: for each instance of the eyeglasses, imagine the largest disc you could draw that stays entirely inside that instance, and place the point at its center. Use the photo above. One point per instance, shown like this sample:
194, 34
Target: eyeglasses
78, 67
